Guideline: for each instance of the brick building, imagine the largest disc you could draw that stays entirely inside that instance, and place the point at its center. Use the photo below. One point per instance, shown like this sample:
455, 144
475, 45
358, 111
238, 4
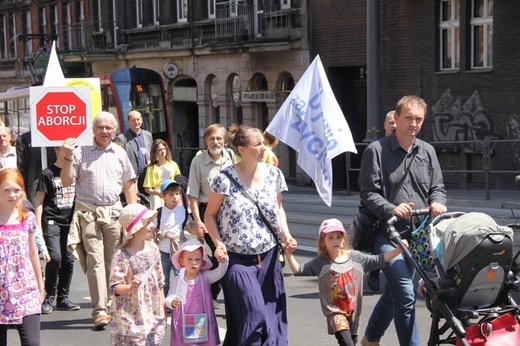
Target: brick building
461, 56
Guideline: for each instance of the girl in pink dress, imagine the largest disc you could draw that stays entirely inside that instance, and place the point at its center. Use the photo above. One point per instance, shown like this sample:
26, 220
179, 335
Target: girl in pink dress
137, 315
190, 292
21, 284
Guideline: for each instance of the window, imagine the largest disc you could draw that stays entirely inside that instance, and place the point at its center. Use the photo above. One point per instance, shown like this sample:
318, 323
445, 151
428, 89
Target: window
3, 38
449, 27
80, 21
55, 21
26, 29
12, 33
182, 11
211, 8
67, 28
42, 21
482, 34
156, 12
233, 8
139, 13
96, 16
285, 3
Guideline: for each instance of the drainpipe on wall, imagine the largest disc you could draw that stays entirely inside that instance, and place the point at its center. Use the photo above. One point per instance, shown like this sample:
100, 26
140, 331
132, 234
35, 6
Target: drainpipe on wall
373, 73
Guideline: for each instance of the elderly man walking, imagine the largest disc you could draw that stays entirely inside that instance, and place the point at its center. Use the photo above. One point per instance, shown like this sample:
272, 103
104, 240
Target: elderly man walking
100, 171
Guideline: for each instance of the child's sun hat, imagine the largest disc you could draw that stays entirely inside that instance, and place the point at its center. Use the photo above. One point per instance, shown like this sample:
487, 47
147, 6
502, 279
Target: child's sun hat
331, 225
191, 245
133, 217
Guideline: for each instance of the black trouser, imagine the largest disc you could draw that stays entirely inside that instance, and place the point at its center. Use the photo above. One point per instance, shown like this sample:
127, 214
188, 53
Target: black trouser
29, 331
215, 287
140, 182
58, 272
345, 338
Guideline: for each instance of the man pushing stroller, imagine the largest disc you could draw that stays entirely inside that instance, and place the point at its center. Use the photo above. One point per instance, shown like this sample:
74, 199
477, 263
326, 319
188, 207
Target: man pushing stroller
398, 173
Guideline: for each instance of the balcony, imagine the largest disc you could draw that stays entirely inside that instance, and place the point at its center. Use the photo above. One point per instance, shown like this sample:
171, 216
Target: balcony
236, 25
240, 22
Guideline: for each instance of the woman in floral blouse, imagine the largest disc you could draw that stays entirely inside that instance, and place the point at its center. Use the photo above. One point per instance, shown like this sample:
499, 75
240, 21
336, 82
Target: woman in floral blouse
254, 292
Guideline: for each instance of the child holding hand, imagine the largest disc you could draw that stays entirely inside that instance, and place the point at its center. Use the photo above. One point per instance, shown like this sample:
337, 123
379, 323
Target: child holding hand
137, 315
190, 293
340, 278
172, 218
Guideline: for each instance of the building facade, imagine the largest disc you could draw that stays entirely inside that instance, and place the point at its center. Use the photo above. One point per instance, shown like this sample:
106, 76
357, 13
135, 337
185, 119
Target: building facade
222, 61
236, 61
461, 56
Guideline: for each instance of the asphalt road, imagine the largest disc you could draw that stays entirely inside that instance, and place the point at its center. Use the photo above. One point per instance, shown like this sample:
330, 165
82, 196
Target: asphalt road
305, 212
306, 322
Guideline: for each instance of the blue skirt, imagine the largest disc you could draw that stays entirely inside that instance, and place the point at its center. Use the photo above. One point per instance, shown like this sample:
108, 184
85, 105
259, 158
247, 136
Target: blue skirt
256, 304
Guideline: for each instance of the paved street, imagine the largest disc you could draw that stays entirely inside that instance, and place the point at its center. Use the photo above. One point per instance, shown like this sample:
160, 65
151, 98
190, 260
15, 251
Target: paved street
305, 212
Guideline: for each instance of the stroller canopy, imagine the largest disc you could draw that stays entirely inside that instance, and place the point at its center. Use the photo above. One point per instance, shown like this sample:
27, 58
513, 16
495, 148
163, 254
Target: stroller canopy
465, 232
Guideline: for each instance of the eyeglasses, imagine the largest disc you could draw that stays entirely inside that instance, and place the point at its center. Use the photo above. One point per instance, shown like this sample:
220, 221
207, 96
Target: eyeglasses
106, 128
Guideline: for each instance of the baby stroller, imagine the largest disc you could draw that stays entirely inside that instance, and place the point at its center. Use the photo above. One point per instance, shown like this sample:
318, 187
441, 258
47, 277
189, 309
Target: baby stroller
465, 261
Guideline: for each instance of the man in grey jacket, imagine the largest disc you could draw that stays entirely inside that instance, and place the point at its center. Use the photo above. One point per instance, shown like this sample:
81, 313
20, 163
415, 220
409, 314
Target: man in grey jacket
137, 143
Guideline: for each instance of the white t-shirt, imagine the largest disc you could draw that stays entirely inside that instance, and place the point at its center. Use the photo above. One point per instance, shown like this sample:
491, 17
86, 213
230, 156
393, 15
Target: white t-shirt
171, 221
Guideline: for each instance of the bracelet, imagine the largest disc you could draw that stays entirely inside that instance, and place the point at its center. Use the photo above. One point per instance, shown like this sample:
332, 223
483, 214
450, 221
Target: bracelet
67, 159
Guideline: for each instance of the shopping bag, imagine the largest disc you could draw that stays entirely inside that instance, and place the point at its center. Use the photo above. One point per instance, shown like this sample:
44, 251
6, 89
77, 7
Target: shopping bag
502, 331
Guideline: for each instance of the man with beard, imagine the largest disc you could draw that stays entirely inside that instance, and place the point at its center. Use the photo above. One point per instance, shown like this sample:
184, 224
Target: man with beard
204, 167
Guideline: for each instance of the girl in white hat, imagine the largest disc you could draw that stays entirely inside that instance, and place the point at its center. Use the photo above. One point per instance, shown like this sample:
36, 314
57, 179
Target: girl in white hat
137, 315
193, 320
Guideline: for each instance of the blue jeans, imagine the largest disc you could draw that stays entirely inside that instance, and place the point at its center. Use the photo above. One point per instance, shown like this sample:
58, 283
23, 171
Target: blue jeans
167, 266
397, 301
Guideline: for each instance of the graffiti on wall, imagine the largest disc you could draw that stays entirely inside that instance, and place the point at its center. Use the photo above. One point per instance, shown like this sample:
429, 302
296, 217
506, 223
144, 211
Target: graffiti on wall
513, 132
457, 121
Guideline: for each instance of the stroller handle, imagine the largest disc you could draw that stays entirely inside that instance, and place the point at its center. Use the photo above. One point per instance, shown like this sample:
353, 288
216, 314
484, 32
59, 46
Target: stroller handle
392, 233
416, 212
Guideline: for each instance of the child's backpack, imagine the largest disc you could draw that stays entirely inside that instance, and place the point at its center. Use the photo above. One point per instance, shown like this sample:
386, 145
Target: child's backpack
183, 182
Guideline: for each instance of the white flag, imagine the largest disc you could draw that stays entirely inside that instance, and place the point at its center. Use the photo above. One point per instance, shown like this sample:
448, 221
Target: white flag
54, 74
311, 122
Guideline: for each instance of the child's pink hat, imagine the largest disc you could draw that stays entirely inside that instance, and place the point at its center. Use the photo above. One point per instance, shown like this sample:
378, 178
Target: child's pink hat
191, 245
331, 225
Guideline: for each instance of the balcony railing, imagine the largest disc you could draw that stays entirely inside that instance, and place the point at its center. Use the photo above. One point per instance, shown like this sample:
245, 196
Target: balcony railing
234, 23
240, 22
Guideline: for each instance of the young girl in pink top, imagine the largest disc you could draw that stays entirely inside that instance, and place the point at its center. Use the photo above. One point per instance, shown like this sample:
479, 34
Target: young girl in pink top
190, 292
21, 284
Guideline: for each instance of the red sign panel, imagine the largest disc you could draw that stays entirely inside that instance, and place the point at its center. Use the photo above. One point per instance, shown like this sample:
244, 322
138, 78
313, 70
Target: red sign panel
61, 112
